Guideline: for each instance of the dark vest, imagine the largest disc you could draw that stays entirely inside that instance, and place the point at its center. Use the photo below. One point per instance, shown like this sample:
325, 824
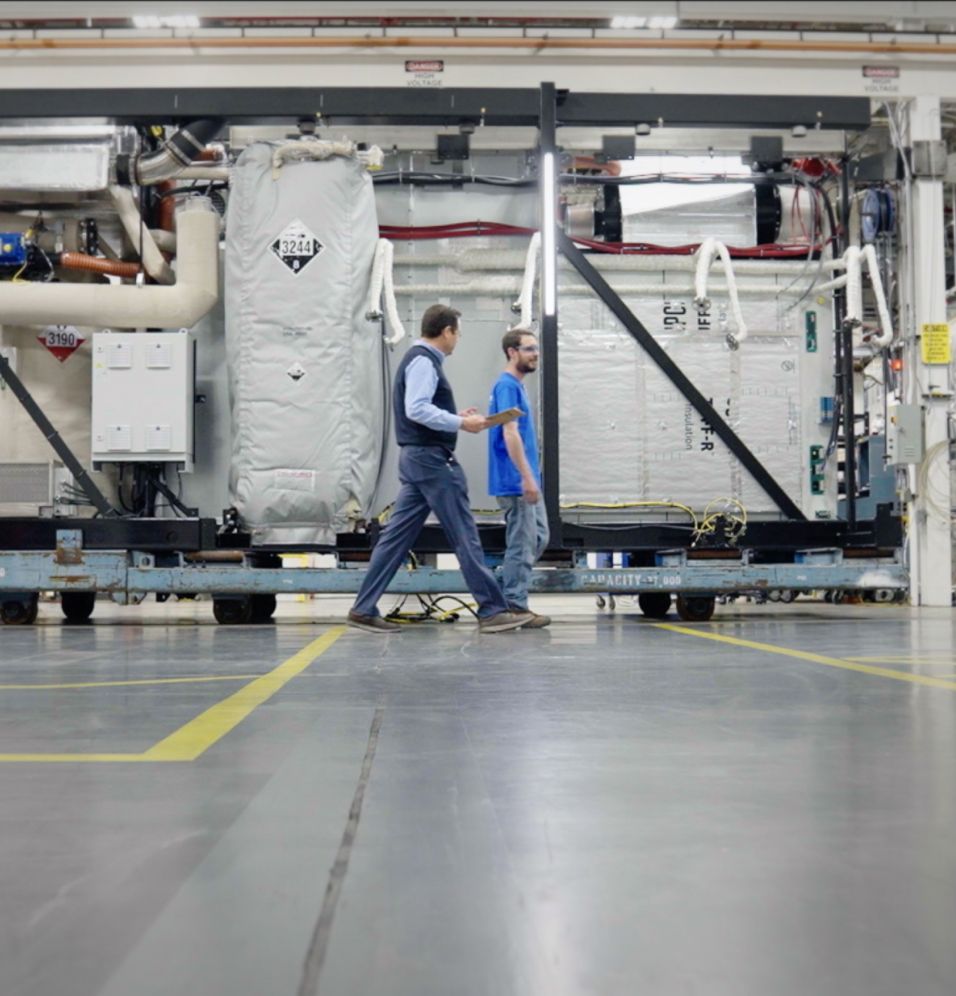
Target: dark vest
409, 433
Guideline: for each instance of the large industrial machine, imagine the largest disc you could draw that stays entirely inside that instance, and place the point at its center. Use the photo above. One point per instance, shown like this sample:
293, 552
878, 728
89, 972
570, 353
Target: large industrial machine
203, 294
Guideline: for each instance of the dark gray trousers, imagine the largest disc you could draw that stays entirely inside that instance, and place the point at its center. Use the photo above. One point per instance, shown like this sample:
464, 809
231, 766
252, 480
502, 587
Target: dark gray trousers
432, 480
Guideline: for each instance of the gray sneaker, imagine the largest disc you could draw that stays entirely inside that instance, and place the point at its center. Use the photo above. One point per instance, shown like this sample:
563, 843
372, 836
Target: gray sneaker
371, 624
504, 621
536, 621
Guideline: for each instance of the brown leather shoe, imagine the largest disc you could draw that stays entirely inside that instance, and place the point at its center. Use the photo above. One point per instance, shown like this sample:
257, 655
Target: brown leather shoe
371, 624
503, 622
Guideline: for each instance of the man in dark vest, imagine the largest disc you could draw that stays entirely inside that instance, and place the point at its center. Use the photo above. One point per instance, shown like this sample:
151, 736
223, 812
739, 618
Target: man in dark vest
426, 427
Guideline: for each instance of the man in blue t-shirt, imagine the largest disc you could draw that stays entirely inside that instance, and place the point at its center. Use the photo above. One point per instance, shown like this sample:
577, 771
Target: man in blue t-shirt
514, 475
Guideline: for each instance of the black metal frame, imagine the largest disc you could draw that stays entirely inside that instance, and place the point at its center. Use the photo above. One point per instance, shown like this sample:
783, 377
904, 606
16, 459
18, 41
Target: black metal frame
504, 107
452, 106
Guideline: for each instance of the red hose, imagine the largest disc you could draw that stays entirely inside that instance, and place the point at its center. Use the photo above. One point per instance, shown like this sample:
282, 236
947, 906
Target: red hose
470, 229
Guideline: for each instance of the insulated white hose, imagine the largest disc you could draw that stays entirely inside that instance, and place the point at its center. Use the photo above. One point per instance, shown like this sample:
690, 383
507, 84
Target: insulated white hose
710, 248
312, 149
392, 318
381, 289
525, 302
873, 268
373, 303
853, 259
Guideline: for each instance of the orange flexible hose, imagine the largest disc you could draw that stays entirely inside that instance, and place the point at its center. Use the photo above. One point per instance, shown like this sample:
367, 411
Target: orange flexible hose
93, 264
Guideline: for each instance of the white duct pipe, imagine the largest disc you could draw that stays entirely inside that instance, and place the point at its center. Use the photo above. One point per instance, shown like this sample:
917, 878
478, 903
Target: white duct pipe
165, 241
180, 306
710, 248
831, 285
153, 261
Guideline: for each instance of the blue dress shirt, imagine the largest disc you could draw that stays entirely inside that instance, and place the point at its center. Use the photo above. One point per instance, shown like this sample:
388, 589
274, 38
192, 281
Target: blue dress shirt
420, 383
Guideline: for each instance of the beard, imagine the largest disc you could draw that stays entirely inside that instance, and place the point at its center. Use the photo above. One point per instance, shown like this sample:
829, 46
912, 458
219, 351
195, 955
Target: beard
527, 366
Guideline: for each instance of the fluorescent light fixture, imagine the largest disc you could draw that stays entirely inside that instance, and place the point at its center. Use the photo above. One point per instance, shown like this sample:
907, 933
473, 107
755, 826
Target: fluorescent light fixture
656, 23
165, 21
548, 221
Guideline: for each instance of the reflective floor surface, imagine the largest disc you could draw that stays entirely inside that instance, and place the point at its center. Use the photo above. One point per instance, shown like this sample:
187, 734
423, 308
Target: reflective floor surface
764, 805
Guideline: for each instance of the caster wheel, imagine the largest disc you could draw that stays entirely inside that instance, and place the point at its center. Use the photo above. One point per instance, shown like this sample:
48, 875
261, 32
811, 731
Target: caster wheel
654, 604
77, 606
22, 612
232, 611
263, 607
695, 608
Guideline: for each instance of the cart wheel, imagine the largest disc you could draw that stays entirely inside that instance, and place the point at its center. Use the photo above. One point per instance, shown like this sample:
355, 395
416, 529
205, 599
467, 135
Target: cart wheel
263, 607
654, 604
232, 611
695, 608
77, 606
21, 612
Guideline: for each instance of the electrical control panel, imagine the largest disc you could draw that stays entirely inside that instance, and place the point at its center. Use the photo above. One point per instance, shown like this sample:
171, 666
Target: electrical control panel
904, 434
143, 397
13, 249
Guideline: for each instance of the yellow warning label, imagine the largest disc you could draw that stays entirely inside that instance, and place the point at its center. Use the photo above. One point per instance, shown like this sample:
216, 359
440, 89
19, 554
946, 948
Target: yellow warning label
934, 344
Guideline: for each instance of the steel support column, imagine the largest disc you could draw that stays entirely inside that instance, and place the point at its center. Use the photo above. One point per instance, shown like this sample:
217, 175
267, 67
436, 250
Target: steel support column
929, 501
548, 180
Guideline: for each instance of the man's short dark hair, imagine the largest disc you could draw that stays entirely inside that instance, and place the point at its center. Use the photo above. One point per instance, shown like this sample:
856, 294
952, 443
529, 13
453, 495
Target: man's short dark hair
437, 318
512, 338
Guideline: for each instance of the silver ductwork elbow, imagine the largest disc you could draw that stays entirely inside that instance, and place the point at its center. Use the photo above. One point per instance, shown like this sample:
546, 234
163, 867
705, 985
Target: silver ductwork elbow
177, 152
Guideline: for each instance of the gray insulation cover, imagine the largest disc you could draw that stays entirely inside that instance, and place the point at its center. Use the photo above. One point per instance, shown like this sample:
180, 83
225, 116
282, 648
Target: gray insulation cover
305, 365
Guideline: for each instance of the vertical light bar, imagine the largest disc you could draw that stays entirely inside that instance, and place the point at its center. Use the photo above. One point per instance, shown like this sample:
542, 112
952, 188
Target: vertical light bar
548, 294
549, 278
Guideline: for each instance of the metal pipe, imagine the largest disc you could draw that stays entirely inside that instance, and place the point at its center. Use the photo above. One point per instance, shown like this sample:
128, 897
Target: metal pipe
445, 42
845, 357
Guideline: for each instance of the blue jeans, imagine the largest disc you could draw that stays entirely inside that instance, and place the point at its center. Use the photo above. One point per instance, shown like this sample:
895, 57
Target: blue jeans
526, 538
432, 480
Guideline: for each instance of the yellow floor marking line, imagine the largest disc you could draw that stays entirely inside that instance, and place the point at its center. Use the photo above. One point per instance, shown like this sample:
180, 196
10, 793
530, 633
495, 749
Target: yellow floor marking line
903, 659
804, 655
198, 735
198, 679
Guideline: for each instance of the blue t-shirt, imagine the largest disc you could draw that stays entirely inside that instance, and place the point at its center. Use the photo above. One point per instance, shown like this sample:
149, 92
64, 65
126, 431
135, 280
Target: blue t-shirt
503, 475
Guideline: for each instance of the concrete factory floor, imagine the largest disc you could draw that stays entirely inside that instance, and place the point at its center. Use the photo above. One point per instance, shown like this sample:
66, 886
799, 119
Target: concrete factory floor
763, 805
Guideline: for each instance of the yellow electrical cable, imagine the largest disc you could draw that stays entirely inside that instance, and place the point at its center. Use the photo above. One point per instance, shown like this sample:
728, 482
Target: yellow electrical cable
15, 279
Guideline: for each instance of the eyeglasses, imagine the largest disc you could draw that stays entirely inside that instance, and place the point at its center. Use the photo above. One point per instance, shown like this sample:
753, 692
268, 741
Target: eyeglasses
529, 349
